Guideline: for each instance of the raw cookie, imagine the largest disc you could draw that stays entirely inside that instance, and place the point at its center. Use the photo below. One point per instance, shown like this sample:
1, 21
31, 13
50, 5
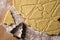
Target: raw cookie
41, 15
8, 18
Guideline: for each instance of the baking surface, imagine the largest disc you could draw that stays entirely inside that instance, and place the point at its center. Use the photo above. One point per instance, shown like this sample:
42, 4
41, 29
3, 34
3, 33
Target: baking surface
30, 35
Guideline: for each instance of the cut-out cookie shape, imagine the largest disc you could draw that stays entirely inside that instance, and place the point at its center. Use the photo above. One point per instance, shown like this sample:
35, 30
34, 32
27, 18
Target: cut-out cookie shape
8, 18
41, 15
